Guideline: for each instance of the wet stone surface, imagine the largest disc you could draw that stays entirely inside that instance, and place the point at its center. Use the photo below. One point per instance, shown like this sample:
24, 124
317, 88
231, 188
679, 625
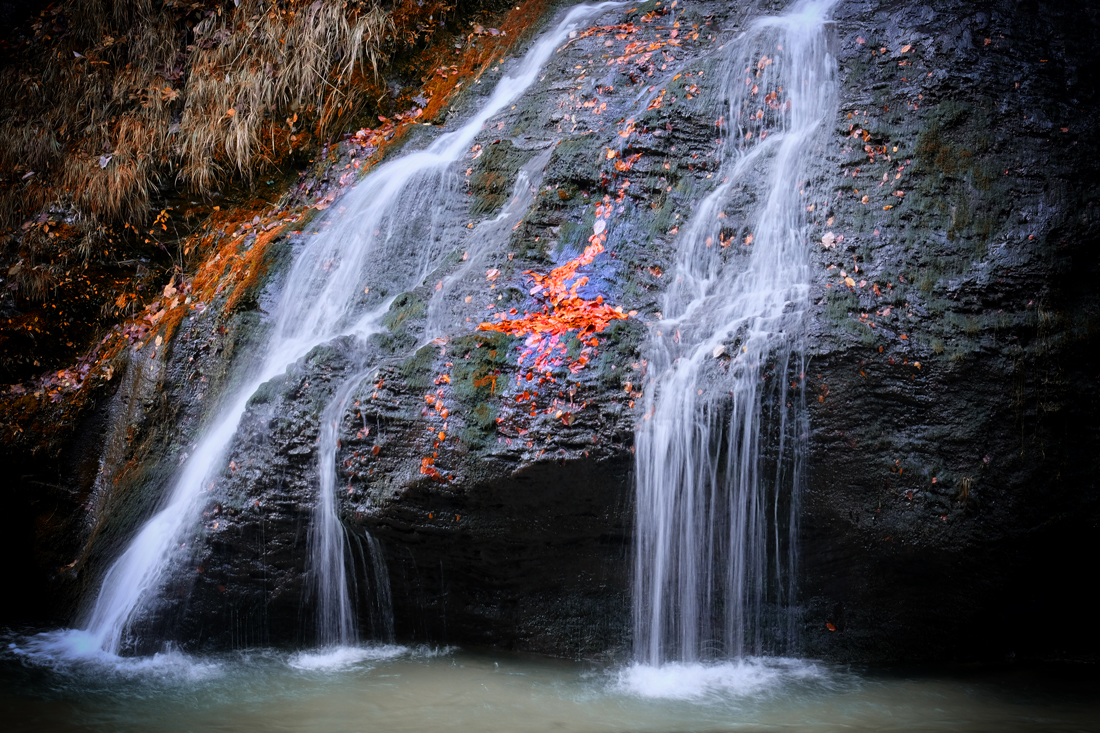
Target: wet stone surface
951, 380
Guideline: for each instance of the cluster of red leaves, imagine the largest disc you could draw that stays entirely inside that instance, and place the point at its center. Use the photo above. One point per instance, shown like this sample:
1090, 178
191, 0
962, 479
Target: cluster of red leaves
379, 135
427, 467
641, 51
55, 384
619, 31
563, 310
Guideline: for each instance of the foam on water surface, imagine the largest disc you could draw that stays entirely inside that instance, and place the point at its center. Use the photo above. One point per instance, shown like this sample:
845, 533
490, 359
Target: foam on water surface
343, 657
748, 677
75, 652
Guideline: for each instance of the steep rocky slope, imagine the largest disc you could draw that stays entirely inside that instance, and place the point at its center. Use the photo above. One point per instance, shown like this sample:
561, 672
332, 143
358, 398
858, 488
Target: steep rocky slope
951, 381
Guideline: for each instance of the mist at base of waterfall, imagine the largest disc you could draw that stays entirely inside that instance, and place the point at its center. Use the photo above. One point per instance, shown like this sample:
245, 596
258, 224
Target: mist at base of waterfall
395, 689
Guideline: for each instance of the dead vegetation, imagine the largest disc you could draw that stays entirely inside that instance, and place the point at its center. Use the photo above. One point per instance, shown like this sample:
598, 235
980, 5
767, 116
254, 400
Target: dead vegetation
107, 104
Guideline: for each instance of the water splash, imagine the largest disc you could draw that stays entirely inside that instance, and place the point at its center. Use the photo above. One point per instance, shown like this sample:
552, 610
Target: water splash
388, 239
719, 449
746, 677
334, 659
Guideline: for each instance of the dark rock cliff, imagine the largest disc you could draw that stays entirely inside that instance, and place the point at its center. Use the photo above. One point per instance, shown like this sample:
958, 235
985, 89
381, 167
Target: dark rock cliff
951, 507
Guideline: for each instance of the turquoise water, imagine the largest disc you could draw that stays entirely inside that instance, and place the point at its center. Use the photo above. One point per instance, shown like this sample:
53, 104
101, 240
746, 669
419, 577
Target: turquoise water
395, 689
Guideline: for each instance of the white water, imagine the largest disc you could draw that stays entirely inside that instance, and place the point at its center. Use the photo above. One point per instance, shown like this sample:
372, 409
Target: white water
342, 657
336, 622
718, 458
742, 678
385, 235
445, 310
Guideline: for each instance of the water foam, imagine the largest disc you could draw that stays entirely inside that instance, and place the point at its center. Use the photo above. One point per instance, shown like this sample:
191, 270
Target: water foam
77, 652
339, 658
747, 677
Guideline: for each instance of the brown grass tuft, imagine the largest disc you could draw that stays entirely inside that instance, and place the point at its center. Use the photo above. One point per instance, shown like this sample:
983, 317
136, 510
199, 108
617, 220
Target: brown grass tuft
112, 100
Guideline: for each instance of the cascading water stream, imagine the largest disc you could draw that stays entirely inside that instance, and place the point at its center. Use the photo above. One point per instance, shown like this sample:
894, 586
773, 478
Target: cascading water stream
388, 238
718, 451
444, 313
336, 617
336, 622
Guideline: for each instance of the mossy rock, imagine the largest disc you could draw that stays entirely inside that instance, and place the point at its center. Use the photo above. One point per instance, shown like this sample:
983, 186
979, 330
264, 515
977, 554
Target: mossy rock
494, 178
406, 308
418, 369
481, 371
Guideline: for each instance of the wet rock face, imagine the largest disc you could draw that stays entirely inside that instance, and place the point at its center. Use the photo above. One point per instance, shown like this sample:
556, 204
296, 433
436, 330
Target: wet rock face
951, 380
952, 388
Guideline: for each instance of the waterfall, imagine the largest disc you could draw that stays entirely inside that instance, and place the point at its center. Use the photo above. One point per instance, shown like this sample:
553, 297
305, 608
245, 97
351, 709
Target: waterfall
719, 446
336, 623
385, 237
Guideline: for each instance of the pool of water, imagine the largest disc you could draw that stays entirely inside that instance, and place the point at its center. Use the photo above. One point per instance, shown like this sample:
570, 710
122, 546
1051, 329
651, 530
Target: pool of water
395, 689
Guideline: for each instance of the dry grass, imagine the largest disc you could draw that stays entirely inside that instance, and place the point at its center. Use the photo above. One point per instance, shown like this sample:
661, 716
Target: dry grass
110, 102
256, 77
